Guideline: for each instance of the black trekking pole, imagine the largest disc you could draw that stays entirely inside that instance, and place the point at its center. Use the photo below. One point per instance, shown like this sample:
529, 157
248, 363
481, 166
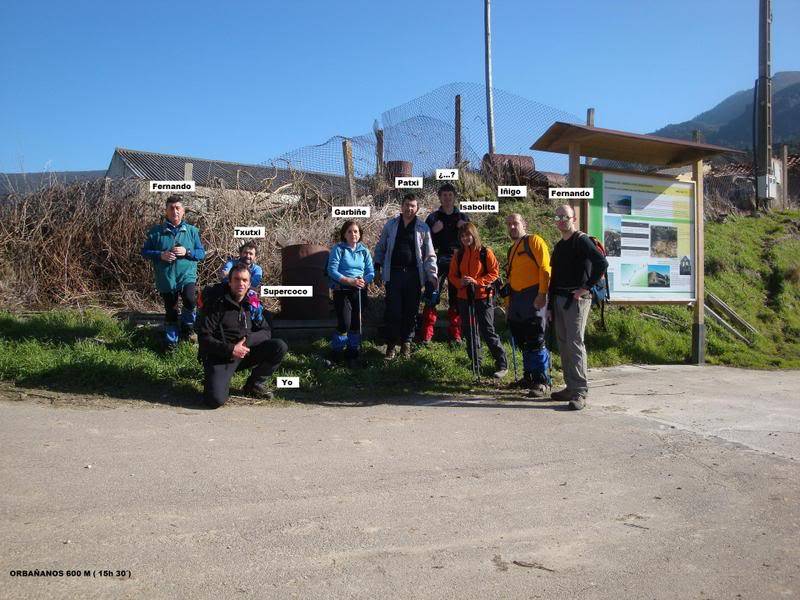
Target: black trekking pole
513, 353
358, 292
549, 338
472, 332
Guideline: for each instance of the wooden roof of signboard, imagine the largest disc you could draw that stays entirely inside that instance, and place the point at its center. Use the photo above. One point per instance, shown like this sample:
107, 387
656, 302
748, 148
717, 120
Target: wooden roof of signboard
625, 146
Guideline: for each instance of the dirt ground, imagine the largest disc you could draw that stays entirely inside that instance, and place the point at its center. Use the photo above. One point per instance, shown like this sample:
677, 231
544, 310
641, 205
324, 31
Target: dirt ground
675, 482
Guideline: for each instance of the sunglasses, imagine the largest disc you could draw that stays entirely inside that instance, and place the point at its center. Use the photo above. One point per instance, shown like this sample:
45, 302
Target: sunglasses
565, 218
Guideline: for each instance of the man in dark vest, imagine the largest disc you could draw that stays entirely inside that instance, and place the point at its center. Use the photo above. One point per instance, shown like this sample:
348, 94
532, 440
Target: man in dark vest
405, 252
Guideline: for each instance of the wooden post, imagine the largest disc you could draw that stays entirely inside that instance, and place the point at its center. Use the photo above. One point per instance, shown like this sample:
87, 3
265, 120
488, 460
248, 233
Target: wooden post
347, 152
785, 175
589, 123
458, 156
380, 167
699, 320
575, 181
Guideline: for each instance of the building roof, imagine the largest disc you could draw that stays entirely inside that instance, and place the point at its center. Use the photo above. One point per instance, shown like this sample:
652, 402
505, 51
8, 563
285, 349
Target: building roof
625, 146
205, 172
214, 173
26, 183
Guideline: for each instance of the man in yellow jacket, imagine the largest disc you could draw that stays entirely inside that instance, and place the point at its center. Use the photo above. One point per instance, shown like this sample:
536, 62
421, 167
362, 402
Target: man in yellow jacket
528, 275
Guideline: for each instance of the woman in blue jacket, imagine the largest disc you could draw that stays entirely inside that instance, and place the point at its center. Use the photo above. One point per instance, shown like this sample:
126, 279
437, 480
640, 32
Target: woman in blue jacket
350, 269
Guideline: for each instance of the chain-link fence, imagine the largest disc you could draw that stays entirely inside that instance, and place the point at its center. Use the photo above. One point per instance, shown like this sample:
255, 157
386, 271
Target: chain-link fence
424, 133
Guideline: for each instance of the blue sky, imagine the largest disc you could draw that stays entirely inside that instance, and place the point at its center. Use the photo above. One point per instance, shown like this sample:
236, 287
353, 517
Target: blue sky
246, 81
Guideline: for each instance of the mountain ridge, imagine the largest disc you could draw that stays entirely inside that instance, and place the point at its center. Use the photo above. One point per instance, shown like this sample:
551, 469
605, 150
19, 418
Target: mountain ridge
730, 122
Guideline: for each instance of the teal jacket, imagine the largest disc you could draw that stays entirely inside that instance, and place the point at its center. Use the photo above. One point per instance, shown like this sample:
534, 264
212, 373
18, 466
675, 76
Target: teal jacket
173, 276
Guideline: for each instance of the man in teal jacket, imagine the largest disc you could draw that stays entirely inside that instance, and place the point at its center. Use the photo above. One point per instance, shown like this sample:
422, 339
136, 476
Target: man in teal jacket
175, 247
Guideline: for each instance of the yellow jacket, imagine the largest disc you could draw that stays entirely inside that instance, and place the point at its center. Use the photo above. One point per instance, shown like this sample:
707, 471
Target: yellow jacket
524, 271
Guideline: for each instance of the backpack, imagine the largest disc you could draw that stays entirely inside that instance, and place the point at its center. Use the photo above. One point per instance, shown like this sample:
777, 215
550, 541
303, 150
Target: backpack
601, 291
526, 249
494, 287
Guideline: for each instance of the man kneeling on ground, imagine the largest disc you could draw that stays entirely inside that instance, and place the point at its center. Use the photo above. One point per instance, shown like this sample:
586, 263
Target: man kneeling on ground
233, 335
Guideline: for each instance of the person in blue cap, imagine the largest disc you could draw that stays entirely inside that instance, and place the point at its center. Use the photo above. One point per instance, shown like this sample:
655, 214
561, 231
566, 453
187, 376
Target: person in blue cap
175, 248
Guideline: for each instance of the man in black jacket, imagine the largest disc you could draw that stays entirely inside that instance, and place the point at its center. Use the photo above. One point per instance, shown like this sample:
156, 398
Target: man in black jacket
577, 265
445, 224
232, 336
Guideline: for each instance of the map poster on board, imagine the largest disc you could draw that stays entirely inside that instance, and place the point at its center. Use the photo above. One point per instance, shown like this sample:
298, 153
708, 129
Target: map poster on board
647, 227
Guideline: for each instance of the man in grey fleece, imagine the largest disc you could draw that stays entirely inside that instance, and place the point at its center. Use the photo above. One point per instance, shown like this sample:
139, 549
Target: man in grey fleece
405, 248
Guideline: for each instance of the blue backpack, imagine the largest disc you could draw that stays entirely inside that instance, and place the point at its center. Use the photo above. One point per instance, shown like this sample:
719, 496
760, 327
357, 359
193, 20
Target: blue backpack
601, 292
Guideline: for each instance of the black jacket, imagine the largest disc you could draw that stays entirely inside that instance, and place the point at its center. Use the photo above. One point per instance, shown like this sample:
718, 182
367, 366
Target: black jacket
223, 322
576, 263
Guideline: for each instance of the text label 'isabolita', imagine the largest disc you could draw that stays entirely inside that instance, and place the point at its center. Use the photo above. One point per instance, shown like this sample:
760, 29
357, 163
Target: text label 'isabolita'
408, 182
172, 186
351, 211
287, 291
482, 206
248, 232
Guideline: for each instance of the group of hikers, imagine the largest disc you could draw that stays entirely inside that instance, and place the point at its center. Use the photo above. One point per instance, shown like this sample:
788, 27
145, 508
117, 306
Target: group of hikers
416, 261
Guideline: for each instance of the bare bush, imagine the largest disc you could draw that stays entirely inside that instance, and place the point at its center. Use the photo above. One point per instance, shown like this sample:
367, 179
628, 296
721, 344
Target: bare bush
80, 245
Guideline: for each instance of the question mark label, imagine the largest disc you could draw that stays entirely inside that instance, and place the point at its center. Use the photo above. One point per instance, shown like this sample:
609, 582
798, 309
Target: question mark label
446, 174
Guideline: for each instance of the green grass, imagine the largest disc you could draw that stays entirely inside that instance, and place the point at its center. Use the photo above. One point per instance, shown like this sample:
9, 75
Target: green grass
93, 353
753, 264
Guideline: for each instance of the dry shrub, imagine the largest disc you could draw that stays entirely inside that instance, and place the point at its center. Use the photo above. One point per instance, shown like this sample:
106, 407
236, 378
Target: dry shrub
80, 245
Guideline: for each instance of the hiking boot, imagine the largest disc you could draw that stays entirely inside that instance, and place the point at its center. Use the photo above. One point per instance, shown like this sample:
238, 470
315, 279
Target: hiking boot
256, 391
500, 373
577, 402
188, 334
391, 352
405, 350
539, 390
561, 395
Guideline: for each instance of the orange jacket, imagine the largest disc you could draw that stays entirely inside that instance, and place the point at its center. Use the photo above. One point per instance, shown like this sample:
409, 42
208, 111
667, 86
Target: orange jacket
472, 266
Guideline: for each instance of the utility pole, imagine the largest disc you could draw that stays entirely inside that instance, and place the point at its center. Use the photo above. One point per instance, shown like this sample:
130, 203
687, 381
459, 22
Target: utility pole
458, 157
764, 137
489, 94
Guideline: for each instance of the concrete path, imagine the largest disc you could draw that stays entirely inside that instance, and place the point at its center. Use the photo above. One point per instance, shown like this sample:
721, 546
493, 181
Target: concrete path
676, 482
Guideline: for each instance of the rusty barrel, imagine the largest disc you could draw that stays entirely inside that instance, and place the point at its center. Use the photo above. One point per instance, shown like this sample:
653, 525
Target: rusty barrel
511, 169
304, 264
398, 168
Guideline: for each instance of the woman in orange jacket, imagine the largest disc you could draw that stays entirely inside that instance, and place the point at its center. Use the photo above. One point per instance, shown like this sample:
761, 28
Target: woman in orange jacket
472, 271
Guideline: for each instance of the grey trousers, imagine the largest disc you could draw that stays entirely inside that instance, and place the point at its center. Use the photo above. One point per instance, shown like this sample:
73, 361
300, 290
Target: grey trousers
570, 325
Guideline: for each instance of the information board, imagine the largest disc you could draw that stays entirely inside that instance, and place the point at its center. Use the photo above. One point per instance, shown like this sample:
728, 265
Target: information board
648, 229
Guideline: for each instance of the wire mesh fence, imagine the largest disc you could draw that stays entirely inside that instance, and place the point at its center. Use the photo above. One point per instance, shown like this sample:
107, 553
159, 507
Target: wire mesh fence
424, 133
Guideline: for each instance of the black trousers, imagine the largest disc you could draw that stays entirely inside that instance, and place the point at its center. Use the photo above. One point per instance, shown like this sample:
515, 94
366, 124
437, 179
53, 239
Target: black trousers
403, 292
443, 266
484, 319
348, 311
263, 359
187, 294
